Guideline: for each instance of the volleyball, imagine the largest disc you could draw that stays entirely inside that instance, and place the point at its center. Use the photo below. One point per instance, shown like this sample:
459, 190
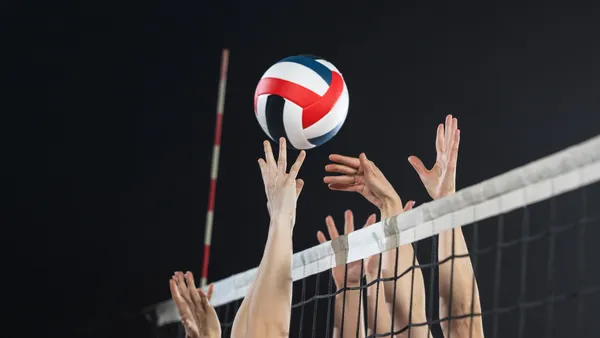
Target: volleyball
302, 98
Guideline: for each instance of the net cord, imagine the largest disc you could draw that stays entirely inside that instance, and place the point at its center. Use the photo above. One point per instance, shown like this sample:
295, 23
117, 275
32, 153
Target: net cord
566, 170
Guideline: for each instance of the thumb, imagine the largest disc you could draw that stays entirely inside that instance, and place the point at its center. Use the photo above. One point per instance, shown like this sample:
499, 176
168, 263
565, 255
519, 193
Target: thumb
299, 186
417, 164
409, 205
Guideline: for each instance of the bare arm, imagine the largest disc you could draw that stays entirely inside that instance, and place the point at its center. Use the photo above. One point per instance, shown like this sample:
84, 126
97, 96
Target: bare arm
408, 308
348, 304
267, 310
378, 317
458, 294
348, 310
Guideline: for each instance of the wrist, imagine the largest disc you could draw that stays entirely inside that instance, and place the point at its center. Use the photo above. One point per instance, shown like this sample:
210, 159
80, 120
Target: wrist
390, 207
280, 219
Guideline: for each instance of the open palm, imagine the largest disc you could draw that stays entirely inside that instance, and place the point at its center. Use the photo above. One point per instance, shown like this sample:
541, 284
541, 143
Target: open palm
363, 176
355, 270
198, 317
441, 179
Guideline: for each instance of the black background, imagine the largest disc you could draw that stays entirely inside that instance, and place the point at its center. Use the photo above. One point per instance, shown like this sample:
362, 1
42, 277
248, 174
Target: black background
118, 107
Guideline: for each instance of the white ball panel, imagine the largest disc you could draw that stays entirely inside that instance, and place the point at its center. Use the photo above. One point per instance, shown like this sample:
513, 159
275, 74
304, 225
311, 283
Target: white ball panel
292, 122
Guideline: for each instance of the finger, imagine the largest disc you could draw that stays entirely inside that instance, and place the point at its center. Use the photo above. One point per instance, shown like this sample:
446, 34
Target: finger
181, 283
409, 205
297, 165
371, 220
183, 289
333, 232
341, 169
299, 186
366, 165
204, 301
211, 289
182, 306
321, 237
174, 290
189, 278
282, 158
346, 187
263, 166
348, 222
352, 162
269, 155
345, 179
454, 154
418, 165
439, 139
448, 132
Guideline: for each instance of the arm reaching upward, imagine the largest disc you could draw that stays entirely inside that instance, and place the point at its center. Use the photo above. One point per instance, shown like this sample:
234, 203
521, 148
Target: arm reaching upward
347, 304
362, 175
459, 294
198, 317
268, 309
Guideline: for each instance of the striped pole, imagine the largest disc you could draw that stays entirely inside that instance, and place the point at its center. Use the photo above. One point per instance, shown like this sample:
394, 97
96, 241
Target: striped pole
215, 165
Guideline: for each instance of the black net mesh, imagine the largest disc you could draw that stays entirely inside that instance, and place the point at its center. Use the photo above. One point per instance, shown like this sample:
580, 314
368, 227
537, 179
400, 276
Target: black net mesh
536, 271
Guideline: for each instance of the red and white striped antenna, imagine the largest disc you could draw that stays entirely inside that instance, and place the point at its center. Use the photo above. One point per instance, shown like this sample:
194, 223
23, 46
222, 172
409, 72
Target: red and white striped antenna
214, 171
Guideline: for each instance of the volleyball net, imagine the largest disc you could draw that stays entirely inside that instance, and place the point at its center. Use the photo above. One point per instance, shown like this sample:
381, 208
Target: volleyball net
532, 238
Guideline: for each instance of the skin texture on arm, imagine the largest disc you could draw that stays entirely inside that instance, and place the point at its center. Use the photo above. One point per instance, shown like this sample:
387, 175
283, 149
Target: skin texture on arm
348, 303
362, 176
268, 309
379, 320
459, 294
413, 280
198, 317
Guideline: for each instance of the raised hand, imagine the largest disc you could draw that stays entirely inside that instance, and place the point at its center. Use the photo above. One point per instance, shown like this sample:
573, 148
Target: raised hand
441, 179
362, 175
354, 269
282, 189
199, 318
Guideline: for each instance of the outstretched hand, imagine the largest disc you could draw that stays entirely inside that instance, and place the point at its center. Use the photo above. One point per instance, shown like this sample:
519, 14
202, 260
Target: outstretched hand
362, 175
199, 318
441, 179
354, 269
282, 189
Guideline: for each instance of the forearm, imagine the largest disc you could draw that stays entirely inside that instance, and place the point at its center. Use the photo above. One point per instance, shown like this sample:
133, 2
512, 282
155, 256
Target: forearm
407, 307
240, 322
401, 301
378, 316
270, 308
459, 294
348, 309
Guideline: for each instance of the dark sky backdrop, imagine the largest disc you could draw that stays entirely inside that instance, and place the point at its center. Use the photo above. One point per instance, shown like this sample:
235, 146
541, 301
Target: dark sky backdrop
119, 146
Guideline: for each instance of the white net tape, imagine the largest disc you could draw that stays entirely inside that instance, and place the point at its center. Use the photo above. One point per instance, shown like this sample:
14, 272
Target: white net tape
567, 170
